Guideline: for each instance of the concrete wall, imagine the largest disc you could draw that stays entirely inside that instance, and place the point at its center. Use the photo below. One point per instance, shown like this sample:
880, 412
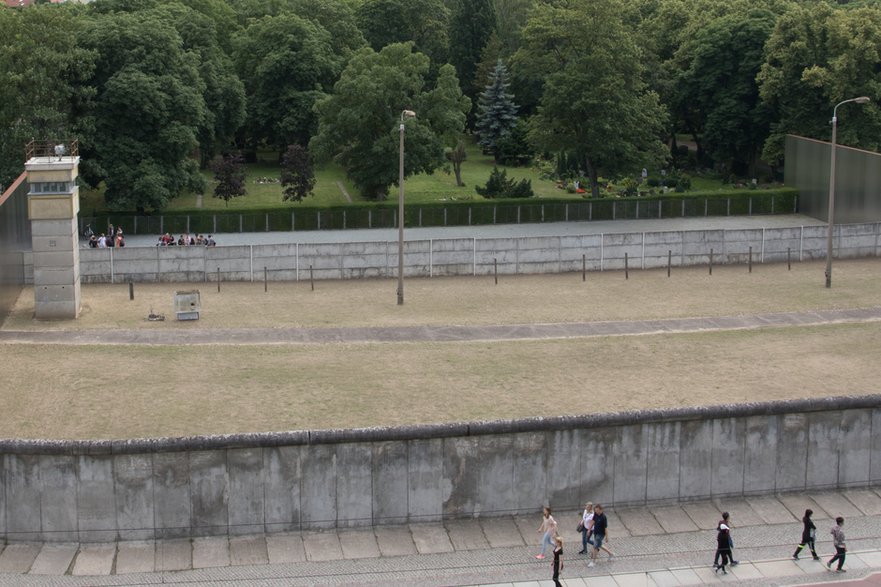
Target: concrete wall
103, 490
474, 256
857, 179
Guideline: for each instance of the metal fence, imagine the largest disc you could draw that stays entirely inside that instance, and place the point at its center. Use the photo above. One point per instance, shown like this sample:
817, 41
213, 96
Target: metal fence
453, 215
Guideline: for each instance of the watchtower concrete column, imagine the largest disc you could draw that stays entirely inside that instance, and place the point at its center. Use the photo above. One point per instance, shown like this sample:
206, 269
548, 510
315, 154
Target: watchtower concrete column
53, 204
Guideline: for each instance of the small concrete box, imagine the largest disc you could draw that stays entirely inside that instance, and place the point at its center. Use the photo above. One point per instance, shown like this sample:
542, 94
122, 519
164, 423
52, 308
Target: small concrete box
187, 305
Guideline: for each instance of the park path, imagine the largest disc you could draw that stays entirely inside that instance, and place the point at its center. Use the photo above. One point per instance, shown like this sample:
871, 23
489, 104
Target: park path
494, 332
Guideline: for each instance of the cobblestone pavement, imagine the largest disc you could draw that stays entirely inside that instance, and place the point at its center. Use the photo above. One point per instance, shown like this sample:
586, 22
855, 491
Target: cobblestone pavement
660, 546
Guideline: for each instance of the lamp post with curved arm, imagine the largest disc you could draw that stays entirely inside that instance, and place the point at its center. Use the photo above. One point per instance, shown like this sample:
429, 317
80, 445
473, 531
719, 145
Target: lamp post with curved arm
407, 114
831, 218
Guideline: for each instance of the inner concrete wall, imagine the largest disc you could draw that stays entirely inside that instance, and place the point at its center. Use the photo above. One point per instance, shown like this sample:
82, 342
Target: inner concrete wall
15, 244
475, 256
139, 489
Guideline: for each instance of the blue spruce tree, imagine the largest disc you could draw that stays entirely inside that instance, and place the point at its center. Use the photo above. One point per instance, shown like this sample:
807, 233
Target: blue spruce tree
497, 111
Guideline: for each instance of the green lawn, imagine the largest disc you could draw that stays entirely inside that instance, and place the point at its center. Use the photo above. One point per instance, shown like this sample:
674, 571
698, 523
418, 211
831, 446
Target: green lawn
437, 187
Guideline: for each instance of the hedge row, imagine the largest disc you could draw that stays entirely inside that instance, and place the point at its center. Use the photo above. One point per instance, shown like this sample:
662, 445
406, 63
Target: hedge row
499, 211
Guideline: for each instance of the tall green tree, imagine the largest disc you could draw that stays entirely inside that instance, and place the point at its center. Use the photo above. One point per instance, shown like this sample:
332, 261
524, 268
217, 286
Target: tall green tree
287, 64
424, 22
445, 108
297, 174
720, 83
358, 123
595, 101
497, 112
471, 24
147, 113
44, 93
817, 56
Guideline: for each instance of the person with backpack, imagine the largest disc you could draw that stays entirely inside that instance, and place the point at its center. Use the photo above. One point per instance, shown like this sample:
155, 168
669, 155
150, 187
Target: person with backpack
808, 536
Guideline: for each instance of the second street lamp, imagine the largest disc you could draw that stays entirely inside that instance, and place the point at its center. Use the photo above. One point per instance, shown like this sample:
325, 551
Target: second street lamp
407, 114
831, 219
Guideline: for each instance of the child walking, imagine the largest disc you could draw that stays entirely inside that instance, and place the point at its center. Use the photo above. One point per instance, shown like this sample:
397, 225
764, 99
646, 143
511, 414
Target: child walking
808, 536
548, 529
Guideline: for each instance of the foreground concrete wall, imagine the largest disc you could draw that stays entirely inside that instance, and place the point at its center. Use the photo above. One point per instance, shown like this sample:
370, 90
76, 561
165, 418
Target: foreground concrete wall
474, 256
245, 484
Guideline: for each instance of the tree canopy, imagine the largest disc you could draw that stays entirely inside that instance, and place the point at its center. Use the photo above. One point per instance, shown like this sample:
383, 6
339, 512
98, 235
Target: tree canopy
358, 123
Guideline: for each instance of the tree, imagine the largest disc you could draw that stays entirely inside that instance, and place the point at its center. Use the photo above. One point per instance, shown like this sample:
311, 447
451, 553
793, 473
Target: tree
147, 113
457, 155
424, 22
720, 83
45, 91
497, 113
499, 186
594, 101
287, 64
445, 108
229, 173
358, 123
297, 174
816, 57
471, 24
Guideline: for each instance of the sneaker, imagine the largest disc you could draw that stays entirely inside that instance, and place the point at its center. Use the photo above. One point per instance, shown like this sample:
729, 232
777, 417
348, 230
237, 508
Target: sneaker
582, 551
735, 563
539, 556
829, 565
716, 569
840, 570
795, 557
724, 572
590, 565
611, 557
816, 558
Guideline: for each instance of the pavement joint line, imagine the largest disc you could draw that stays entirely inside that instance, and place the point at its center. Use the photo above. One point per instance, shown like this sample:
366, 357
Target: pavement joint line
444, 333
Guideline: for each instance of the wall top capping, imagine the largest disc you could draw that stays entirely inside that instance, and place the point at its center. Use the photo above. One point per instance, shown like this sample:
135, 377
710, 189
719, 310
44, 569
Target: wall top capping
428, 431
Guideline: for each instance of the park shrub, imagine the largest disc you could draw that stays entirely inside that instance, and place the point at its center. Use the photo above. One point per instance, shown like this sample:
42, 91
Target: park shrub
499, 186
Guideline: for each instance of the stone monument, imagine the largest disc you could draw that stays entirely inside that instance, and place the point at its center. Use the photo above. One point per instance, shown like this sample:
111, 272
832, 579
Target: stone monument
53, 204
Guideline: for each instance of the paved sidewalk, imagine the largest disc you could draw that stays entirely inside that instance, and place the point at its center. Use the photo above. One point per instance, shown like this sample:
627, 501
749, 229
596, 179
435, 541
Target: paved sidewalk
660, 546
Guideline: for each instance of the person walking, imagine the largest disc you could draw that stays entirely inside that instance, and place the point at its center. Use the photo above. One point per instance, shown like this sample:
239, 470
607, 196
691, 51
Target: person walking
600, 534
548, 530
726, 521
837, 532
808, 536
723, 546
586, 527
558, 561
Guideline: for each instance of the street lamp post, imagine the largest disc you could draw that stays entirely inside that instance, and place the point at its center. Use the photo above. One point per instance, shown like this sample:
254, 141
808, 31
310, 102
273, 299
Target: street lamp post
831, 216
408, 114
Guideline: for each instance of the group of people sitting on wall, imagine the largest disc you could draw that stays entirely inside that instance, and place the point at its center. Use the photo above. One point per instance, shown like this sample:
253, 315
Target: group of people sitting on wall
108, 240
186, 240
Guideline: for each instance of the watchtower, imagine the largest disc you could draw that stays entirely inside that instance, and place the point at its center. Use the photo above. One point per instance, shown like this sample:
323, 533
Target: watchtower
53, 203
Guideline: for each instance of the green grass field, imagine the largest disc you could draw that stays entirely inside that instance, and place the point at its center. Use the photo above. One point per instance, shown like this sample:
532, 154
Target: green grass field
439, 186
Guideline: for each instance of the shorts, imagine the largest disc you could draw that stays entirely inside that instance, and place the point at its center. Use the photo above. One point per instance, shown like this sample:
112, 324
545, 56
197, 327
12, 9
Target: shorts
598, 540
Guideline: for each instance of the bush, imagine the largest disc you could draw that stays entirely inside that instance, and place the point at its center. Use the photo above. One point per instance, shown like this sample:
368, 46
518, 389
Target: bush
653, 182
499, 186
629, 187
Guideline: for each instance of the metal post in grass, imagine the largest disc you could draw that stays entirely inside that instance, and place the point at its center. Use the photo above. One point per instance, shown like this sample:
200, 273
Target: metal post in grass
789, 258
131, 290
496, 269
583, 267
711, 261
265, 279
750, 259
626, 268
311, 278
669, 261
218, 280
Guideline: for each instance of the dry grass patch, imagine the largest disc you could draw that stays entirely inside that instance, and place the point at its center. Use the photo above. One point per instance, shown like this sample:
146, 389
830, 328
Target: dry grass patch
647, 294
138, 391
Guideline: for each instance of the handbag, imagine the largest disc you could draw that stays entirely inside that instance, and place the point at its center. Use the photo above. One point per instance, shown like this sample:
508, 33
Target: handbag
580, 527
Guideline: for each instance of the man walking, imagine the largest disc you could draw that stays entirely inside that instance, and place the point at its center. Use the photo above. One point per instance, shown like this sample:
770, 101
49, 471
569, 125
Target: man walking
600, 535
837, 532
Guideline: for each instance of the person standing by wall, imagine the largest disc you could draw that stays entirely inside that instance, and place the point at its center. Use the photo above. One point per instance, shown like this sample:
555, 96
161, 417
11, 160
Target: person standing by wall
808, 536
837, 532
600, 535
548, 529
586, 527
558, 561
